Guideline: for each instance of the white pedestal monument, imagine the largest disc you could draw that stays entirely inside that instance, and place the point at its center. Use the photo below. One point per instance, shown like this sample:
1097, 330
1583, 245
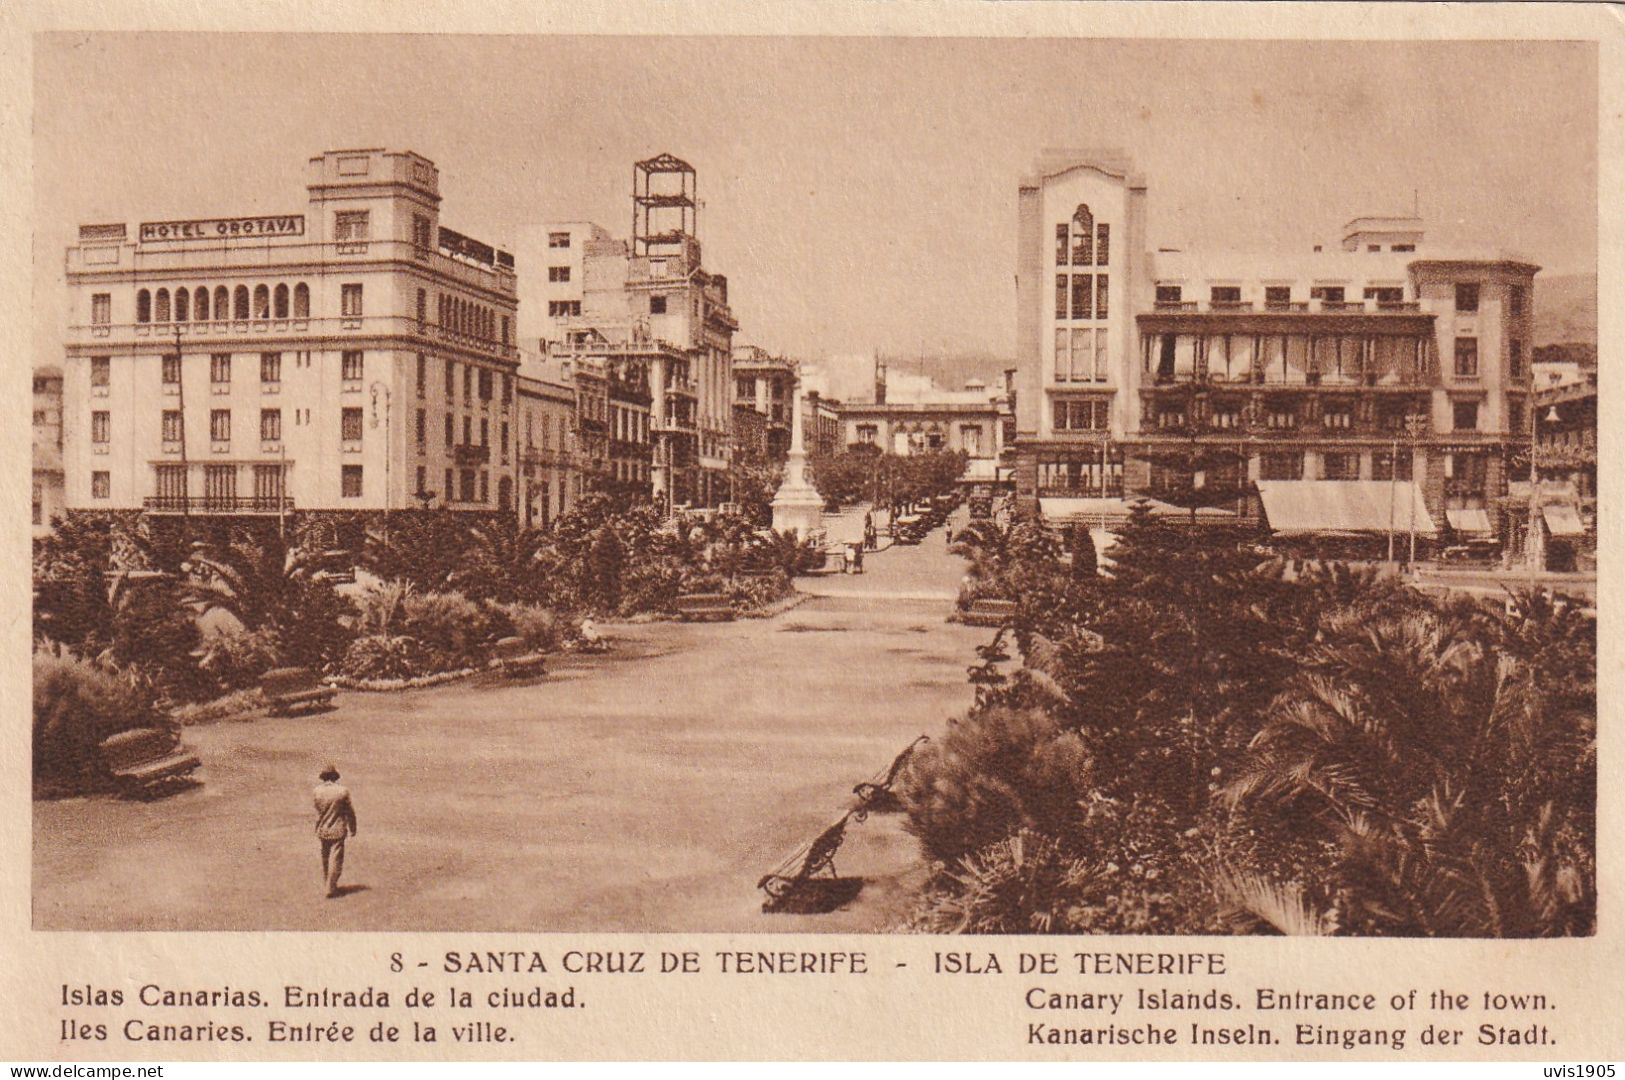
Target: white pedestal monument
797, 507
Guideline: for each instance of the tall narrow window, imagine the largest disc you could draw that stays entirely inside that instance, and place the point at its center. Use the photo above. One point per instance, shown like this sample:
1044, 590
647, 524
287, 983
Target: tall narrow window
423, 375
1060, 244
101, 485
220, 425
239, 302
183, 306
99, 425
422, 429
101, 309
222, 302
161, 306
1060, 296
1082, 288
351, 365
1515, 359
350, 481
451, 379
262, 302
270, 367
220, 368
350, 425
451, 432
301, 301
172, 370
1515, 301
1100, 297
350, 300
143, 306
101, 370
279, 302
420, 236
1083, 237
423, 307
1103, 238
1466, 358
200, 304
172, 425
1466, 297
270, 425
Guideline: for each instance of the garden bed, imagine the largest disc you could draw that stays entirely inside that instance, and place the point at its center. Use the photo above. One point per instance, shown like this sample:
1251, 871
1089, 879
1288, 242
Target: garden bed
384, 686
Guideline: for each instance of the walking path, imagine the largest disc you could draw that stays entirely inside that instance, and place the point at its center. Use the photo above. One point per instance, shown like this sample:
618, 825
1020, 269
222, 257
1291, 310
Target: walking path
646, 790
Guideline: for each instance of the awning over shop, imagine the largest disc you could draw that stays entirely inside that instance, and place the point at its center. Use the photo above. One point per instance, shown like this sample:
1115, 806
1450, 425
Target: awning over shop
1343, 506
1563, 520
1469, 521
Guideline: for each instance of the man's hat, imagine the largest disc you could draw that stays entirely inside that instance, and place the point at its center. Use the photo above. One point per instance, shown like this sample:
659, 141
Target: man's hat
329, 773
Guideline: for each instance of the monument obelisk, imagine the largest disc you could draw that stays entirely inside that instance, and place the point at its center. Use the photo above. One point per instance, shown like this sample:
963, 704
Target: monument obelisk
797, 506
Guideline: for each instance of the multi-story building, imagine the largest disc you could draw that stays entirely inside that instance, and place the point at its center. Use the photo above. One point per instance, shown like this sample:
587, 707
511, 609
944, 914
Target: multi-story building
766, 384
821, 424
357, 356
1168, 372
47, 495
650, 301
970, 420
1566, 467
545, 438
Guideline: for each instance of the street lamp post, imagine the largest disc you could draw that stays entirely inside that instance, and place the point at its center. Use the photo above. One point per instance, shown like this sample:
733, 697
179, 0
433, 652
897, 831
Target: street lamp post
376, 388
1414, 423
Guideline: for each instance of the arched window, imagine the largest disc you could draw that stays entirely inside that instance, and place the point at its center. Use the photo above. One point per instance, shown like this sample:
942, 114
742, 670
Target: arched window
504, 493
280, 303
183, 306
239, 302
1083, 236
200, 304
262, 302
161, 308
222, 302
143, 306
301, 301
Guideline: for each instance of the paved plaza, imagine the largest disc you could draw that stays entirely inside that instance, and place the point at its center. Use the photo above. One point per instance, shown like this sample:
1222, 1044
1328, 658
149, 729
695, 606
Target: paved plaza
645, 790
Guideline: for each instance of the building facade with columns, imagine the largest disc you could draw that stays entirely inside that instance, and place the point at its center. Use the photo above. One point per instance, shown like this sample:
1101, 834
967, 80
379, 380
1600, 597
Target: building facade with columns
353, 354
1272, 375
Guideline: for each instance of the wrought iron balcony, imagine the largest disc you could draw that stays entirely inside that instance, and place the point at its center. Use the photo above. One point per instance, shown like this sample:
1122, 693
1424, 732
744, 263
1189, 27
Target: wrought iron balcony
217, 504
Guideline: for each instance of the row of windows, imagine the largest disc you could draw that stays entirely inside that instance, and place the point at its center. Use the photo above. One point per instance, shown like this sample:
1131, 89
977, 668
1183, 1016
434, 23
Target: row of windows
559, 309
195, 305
467, 318
473, 375
1376, 360
1082, 414
1087, 293
1281, 295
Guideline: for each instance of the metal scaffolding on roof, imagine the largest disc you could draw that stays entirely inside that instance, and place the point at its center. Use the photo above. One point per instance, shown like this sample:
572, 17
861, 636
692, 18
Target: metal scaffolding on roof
664, 208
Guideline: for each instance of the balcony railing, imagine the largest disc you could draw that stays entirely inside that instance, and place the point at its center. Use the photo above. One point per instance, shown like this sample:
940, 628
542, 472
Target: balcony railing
1291, 307
360, 325
217, 504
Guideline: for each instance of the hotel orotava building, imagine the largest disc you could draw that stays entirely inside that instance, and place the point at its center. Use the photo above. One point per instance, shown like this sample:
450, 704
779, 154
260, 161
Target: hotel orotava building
352, 354
1353, 388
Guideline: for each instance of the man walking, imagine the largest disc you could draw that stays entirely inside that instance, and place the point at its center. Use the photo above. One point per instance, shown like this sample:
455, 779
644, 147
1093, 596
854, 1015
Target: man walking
335, 819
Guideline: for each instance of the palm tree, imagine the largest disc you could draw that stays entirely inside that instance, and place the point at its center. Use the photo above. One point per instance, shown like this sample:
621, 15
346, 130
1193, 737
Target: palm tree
1442, 777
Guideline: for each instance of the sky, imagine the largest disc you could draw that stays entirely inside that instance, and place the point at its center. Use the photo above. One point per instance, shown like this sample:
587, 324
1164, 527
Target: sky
859, 193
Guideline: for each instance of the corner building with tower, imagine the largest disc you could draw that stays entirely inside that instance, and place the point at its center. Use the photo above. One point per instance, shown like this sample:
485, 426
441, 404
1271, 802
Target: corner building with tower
1300, 389
356, 355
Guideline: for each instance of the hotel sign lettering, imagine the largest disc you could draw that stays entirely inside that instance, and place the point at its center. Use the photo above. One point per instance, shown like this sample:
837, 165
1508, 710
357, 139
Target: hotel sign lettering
222, 228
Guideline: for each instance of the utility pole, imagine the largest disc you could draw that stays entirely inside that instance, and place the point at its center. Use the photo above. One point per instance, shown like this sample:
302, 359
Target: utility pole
180, 386
1413, 425
1393, 485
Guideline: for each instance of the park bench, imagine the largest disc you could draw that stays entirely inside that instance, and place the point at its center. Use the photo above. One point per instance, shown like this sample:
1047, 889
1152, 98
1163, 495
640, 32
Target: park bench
516, 660
694, 607
287, 690
794, 885
875, 796
989, 612
142, 758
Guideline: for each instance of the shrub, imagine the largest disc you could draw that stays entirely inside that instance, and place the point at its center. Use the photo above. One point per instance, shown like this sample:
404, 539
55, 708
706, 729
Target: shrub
235, 658
540, 627
453, 628
651, 586
996, 772
753, 592
155, 636
76, 706
1024, 884
386, 656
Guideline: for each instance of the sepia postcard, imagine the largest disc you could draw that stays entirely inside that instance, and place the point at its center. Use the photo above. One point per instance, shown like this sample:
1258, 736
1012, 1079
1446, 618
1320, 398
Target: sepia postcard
1046, 532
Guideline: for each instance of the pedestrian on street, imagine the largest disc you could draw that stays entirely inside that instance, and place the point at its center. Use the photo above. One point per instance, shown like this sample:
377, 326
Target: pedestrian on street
335, 819
857, 558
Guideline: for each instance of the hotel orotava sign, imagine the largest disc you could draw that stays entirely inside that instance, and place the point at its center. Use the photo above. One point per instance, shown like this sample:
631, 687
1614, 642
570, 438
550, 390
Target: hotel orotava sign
222, 228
